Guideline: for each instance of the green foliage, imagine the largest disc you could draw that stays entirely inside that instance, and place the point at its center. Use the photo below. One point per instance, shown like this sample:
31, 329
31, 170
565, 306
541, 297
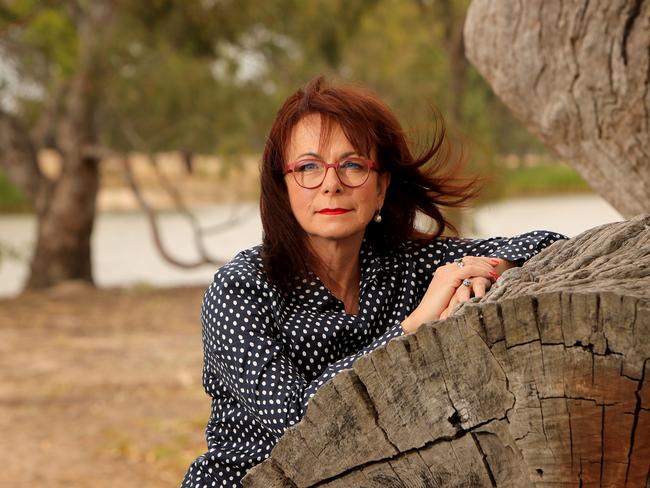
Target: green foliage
209, 75
11, 198
52, 33
547, 178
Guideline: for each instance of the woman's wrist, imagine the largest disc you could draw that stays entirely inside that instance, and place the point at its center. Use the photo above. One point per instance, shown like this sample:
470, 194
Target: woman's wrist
411, 323
504, 265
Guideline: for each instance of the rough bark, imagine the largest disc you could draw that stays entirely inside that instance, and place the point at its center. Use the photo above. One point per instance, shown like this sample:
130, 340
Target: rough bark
544, 382
577, 74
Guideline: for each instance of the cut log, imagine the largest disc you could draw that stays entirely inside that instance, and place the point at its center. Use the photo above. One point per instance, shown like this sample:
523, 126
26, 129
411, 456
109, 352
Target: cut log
544, 382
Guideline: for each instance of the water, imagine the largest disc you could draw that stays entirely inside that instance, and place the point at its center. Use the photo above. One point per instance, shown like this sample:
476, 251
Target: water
567, 214
124, 253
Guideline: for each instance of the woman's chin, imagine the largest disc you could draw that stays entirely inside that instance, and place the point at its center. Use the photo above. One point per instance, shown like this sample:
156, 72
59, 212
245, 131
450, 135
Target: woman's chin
336, 233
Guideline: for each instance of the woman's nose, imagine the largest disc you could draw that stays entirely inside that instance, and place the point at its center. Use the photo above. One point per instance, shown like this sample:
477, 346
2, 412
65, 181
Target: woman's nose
331, 183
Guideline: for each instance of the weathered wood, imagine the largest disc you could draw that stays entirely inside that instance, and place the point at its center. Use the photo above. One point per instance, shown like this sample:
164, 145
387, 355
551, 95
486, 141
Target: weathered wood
577, 74
544, 382
339, 432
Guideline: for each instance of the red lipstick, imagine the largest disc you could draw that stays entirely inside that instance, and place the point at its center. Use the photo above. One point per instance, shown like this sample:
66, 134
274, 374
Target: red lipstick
333, 211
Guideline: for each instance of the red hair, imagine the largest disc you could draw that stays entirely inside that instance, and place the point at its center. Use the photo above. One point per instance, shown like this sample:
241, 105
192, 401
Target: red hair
371, 127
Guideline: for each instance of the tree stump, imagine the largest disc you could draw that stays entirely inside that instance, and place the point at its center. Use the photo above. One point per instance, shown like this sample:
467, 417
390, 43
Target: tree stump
543, 382
577, 74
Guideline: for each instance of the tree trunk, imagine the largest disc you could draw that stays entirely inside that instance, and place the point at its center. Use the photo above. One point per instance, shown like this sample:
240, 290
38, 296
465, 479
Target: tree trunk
577, 74
64, 229
65, 225
543, 382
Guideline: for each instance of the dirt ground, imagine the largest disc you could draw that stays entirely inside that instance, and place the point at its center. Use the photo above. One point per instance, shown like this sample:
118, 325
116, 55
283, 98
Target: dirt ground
100, 388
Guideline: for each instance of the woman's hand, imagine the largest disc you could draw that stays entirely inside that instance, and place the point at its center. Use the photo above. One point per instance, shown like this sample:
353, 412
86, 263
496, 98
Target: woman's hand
478, 287
446, 281
463, 293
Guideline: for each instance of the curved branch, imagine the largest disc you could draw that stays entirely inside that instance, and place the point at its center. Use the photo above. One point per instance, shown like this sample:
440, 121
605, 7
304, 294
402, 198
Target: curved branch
180, 205
199, 232
152, 218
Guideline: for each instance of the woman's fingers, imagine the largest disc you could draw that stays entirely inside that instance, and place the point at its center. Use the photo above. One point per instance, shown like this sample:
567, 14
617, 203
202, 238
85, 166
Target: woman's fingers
488, 263
472, 271
463, 293
442, 294
480, 286
453, 302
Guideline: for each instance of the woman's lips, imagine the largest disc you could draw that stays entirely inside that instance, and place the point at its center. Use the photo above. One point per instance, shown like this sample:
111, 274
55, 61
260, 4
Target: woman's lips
333, 211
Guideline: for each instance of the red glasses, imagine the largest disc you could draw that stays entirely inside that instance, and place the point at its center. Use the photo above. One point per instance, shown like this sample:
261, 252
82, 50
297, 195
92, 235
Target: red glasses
351, 171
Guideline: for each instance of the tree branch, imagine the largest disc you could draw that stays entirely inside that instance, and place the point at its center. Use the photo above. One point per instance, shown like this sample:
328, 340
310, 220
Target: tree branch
19, 159
44, 131
152, 218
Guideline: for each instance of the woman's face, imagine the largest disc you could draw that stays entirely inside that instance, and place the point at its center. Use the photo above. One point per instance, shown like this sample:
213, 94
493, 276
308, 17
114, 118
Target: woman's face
332, 211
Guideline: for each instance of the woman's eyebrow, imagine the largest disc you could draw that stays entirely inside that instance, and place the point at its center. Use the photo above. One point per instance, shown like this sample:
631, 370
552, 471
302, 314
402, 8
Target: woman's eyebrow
316, 155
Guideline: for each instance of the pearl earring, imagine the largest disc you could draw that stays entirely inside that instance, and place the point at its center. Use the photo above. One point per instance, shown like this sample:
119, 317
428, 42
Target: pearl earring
377, 217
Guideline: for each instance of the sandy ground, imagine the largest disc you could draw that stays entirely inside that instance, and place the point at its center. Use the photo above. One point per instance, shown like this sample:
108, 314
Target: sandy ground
100, 388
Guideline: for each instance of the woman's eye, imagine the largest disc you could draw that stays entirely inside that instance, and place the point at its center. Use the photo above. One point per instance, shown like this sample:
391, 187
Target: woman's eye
352, 164
307, 166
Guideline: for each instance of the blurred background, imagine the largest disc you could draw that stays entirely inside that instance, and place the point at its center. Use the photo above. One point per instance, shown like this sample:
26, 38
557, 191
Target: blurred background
130, 140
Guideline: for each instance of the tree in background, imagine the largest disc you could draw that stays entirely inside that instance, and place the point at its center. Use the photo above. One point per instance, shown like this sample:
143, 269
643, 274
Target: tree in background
114, 75
104, 77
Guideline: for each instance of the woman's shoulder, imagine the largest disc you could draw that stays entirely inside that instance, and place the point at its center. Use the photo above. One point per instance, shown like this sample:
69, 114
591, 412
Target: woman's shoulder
245, 266
428, 246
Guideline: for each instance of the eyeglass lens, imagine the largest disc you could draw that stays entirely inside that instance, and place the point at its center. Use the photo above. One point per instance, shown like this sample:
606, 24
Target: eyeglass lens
311, 173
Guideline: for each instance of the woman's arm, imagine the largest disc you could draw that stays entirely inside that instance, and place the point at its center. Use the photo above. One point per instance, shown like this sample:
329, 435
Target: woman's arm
516, 250
242, 352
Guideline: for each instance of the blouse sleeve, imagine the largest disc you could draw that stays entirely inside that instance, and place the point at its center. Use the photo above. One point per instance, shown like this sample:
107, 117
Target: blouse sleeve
428, 256
241, 351
518, 249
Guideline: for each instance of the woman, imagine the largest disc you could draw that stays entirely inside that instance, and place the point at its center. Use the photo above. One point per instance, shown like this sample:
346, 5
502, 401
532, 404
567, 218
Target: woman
341, 271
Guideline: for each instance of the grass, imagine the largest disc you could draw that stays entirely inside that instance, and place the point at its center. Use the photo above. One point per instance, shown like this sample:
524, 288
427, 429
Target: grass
159, 441
546, 179
11, 198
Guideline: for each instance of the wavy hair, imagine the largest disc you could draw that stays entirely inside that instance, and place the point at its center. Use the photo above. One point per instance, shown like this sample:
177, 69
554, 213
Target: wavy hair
421, 183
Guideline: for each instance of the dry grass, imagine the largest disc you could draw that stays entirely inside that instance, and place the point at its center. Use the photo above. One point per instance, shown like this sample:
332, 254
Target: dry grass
100, 388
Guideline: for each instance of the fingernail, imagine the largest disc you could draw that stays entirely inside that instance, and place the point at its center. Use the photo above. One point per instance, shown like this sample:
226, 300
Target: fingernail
494, 261
494, 275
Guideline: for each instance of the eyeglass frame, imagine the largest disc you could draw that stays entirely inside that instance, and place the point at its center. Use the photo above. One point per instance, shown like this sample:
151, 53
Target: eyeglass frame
372, 165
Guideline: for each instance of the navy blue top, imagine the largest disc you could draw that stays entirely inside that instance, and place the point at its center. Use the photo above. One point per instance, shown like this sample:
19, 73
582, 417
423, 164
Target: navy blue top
266, 353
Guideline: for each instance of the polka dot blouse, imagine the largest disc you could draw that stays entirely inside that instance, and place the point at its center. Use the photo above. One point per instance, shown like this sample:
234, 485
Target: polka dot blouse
267, 353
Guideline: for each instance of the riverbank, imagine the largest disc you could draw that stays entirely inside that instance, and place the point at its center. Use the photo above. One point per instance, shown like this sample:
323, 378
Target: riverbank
101, 395
212, 181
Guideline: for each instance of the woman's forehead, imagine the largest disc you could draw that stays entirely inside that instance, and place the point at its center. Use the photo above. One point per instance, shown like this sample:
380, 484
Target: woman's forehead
317, 134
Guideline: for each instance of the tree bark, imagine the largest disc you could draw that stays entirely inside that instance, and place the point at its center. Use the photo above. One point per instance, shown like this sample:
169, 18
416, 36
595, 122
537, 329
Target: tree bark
577, 74
543, 382
63, 250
